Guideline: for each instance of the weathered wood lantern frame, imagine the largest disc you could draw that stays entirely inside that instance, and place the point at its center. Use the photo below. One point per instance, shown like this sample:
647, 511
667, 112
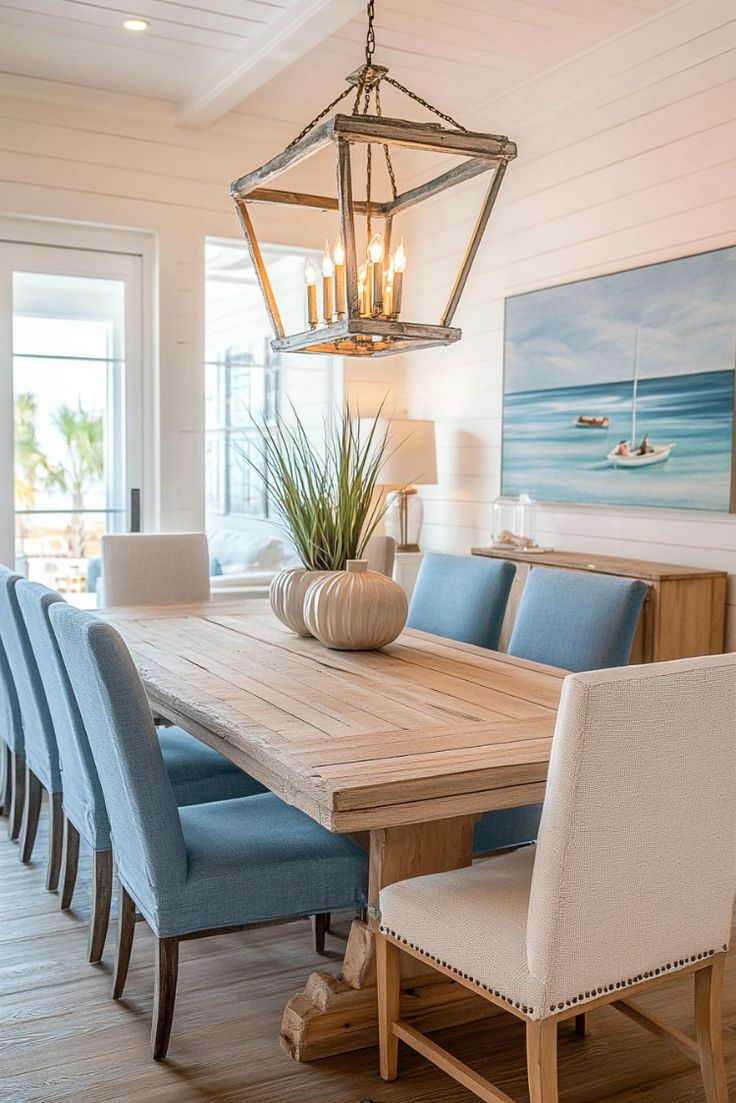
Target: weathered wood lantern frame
355, 334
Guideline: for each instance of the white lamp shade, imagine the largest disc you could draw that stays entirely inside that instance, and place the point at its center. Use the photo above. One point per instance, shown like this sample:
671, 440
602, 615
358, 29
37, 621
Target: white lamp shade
411, 457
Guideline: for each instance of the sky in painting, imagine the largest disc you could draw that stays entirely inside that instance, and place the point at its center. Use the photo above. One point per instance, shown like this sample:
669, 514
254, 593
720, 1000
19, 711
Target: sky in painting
585, 332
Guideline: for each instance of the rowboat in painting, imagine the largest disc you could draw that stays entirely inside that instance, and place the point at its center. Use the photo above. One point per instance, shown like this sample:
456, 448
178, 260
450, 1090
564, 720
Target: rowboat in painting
590, 421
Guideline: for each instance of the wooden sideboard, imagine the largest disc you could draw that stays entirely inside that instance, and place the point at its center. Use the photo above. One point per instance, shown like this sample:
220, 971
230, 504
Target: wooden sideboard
684, 611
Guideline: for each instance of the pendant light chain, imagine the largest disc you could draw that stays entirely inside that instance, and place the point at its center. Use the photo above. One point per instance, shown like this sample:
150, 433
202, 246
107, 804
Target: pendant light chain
424, 103
370, 38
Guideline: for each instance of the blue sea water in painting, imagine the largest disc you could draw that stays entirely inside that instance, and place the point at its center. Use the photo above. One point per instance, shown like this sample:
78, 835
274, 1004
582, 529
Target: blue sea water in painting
666, 333
548, 456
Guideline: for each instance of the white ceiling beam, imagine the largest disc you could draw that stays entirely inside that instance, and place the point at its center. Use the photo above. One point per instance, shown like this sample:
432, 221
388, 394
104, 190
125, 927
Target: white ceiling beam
291, 35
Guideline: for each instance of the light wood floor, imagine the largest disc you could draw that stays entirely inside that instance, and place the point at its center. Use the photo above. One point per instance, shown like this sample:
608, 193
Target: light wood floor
62, 1038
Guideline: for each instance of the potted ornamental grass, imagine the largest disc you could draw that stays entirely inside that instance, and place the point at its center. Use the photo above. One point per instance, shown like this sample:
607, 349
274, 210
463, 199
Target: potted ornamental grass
327, 496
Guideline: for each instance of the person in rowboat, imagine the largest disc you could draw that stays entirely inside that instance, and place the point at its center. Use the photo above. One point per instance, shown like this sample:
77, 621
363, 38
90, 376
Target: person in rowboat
645, 447
622, 448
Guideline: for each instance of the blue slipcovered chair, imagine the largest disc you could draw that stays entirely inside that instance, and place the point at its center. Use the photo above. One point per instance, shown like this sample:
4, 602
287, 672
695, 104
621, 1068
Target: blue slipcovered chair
577, 621
42, 770
197, 773
201, 869
461, 597
12, 748
464, 598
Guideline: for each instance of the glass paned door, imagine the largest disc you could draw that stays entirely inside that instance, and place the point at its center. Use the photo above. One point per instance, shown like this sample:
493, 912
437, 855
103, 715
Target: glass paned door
70, 373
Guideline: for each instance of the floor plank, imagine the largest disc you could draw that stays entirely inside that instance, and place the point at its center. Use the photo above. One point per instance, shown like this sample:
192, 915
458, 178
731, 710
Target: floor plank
63, 1039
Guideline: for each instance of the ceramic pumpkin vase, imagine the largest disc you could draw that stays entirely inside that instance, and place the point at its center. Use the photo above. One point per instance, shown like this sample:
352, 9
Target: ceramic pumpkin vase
355, 609
286, 595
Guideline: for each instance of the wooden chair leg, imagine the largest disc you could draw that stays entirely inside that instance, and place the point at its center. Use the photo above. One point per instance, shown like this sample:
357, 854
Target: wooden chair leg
31, 815
709, 1030
101, 898
17, 794
541, 1057
320, 927
56, 841
167, 971
582, 1025
70, 864
388, 959
126, 930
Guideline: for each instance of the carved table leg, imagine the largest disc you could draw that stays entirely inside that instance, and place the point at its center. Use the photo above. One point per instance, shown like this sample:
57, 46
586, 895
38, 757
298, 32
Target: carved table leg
336, 1014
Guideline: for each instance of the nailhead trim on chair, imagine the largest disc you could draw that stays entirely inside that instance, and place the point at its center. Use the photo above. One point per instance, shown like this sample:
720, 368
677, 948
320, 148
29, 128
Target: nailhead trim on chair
582, 998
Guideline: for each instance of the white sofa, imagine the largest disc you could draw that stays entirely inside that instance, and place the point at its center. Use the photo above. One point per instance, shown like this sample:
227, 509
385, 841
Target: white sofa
242, 561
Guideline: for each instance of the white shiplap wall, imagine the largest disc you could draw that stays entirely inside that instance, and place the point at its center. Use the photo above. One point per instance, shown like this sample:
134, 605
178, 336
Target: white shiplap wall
627, 154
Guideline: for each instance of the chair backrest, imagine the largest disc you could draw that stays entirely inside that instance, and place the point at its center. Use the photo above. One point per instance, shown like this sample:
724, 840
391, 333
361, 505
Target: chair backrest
155, 568
577, 621
462, 597
11, 724
40, 747
146, 829
635, 867
380, 552
84, 803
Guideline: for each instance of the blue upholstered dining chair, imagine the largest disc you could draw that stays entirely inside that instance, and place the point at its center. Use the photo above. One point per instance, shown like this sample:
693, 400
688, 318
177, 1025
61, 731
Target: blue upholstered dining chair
197, 773
577, 621
42, 771
12, 748
461, 597
201, 869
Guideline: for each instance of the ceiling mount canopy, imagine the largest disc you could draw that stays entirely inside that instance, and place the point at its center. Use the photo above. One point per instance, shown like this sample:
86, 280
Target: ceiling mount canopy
362, 287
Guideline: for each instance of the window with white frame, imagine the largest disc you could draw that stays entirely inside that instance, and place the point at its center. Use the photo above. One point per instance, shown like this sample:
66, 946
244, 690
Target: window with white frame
246, 382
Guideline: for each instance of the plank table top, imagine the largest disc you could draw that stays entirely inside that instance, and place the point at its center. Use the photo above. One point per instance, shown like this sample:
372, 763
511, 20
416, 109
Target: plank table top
425, 729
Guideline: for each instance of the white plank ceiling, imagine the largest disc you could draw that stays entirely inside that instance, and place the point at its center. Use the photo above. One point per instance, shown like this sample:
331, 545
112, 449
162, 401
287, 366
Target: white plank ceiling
211, 56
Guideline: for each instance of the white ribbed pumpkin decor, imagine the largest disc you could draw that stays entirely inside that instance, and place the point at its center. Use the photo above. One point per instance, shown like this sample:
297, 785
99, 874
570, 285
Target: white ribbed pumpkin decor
355, 609
287, 593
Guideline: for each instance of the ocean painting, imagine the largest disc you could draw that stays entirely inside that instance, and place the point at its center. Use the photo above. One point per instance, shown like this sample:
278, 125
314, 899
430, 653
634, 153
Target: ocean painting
619, 390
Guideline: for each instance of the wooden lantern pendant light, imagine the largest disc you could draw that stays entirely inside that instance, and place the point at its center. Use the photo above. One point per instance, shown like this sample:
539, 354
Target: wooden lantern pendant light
354, 304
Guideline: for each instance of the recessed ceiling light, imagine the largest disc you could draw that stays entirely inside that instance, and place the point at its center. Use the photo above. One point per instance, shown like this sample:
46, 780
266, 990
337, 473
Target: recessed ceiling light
135, 25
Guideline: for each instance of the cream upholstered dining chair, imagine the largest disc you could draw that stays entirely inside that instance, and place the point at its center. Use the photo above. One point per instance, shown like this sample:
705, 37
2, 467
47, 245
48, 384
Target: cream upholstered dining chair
380, 552
630, 885
166, 568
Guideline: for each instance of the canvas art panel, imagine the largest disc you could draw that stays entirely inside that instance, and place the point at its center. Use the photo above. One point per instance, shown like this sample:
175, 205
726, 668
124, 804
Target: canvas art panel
619, 390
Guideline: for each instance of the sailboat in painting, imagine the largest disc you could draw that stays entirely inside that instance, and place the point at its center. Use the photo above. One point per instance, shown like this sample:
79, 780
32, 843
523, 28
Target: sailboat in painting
656, 453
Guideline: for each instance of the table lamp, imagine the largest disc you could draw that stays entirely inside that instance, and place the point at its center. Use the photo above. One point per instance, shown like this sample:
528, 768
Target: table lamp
411, 460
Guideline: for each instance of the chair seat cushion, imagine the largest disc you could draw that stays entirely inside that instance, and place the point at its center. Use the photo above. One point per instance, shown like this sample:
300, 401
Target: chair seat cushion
474, 921
199, 774
257, 859
507, 827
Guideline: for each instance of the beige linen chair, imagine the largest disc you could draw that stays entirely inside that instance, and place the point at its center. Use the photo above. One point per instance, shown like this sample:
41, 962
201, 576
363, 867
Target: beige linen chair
380, 552
631, 883
155, 568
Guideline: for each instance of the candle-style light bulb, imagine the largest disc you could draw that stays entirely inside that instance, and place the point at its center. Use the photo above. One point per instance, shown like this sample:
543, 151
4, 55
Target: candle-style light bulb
399, 266
338, 256
328, 271
310, 278
338, 253
363, 290
376, 251
388, 289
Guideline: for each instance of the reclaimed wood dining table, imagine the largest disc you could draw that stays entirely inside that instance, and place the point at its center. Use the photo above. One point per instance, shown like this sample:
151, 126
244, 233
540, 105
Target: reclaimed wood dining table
404, 748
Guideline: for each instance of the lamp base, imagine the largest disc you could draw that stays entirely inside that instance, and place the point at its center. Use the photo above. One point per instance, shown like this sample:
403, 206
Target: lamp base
403, 518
